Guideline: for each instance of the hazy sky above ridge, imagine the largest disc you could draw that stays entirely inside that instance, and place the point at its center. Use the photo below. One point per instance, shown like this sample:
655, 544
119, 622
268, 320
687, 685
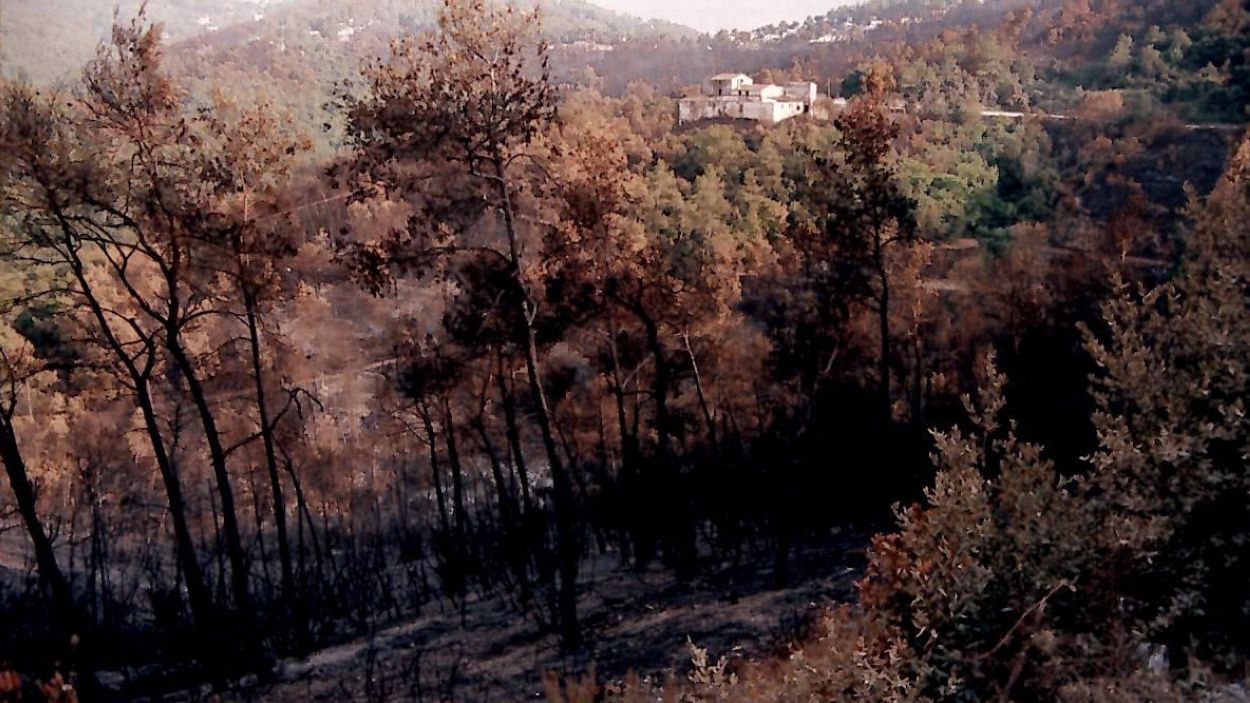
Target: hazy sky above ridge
712, 15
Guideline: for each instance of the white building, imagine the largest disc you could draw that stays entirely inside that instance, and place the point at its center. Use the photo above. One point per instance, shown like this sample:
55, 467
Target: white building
736, 96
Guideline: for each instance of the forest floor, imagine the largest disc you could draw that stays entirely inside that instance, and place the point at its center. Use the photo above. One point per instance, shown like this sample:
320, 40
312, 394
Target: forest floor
634, 622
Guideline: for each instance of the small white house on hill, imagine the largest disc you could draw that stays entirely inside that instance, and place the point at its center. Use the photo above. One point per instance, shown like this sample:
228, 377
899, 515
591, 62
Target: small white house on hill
736, 96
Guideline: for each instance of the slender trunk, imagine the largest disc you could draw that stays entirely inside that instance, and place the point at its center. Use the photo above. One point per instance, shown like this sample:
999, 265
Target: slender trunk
918, 384
45, 557
218, 551
436, 471
197, 587
507, 507
883, 328
606, 522
514, 435
440, 499
302, 508
271, 458
629, 441
258, 523
568, 548
513, 540
217, 453
98, 556
698, 387
570, 455
660, 383
457, 494
629, 490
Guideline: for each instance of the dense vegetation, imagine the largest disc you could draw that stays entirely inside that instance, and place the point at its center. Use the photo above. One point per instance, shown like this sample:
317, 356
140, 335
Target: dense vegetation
1120, 577
266, 385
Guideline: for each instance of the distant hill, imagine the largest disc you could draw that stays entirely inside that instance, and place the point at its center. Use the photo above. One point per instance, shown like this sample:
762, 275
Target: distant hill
296, 55
46, 40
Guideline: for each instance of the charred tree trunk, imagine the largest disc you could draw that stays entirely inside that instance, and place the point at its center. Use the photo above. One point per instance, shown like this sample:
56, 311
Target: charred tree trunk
45, 557
698, 387
198, 594
508, 398
883, 329
452, 581
568, 543
302, 508
631, 493
512, 540
503, 494
461, 538
217, 453
271, 458
660, 382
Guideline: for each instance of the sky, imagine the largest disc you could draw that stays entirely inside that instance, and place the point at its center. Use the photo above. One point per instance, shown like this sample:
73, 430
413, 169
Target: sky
712, 15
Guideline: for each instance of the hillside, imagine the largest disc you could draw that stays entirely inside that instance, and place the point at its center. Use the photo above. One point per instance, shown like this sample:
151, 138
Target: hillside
472, 367
47, 41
